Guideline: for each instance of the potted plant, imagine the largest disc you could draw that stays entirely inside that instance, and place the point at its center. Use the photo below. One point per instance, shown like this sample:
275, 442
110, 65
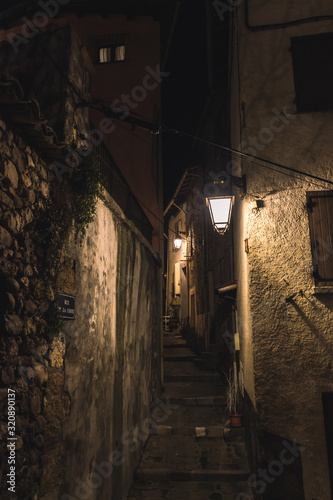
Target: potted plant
233, 399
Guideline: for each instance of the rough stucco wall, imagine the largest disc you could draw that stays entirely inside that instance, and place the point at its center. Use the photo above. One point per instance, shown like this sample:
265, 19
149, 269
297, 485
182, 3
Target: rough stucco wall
292, 341
279, 11
111, 354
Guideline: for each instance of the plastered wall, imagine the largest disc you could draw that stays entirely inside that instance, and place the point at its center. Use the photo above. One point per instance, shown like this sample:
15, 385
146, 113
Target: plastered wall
286, 329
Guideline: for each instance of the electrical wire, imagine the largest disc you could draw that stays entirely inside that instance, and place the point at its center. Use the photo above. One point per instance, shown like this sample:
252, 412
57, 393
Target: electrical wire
274, 26
168, 129
231, 150
61, 73
312, 183
133, 133
140, 201
246, 155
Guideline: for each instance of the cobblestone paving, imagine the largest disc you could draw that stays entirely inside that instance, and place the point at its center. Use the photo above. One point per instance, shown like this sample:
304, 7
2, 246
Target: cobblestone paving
188, 457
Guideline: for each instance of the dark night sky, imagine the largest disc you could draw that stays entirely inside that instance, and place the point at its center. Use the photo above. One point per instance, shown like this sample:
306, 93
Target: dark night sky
184, 92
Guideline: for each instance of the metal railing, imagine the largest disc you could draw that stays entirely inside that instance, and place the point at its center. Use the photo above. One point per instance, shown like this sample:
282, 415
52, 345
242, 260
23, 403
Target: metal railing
116, 185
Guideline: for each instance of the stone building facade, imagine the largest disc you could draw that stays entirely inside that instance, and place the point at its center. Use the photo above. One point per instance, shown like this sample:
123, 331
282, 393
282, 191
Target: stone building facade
283, 240
121, 44
83, 392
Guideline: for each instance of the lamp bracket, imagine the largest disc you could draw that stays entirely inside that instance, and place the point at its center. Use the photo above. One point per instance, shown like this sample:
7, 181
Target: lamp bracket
239, 182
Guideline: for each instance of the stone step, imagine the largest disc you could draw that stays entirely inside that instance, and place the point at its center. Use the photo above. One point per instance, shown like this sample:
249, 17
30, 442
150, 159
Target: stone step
190, 458
227, 473
180, 351
209, 432
196, 401
174, 343
198, 389
193, 490
185, 368
179, 359
198, 377
195, 416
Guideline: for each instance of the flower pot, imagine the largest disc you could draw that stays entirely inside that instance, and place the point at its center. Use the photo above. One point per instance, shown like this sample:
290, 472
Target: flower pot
236, 420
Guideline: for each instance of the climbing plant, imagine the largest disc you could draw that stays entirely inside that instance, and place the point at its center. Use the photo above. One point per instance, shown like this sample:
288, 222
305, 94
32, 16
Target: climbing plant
86, 185
70, 206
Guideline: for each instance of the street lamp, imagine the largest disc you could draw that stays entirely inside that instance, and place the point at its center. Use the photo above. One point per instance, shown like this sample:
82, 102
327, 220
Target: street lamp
177, 242
220, 207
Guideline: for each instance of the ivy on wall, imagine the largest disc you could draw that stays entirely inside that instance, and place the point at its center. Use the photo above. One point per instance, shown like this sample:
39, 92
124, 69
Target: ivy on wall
70, 206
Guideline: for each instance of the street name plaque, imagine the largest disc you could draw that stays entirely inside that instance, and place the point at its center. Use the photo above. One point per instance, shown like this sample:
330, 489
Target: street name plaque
66, 306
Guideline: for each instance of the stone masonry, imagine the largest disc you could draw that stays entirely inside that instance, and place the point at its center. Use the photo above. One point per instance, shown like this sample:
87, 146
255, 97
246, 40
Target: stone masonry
191, 451
31, 363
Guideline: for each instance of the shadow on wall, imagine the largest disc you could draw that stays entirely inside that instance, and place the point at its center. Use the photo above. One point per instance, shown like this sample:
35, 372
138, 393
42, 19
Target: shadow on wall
312, 327
326, 300
280, 474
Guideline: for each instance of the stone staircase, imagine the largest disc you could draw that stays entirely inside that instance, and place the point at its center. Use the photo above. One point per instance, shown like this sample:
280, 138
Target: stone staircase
188, 455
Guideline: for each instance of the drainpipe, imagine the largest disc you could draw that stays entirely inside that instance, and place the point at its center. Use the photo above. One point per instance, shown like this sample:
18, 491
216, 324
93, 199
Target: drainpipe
159, 171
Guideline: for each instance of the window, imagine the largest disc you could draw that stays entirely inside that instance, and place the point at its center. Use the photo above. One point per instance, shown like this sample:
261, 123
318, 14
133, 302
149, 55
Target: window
313, 72
112, 53
320, 208
108, 48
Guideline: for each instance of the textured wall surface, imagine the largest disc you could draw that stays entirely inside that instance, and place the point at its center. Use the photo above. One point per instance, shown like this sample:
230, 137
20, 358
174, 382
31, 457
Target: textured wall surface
106, 386
111, 355
287, 345
31, 360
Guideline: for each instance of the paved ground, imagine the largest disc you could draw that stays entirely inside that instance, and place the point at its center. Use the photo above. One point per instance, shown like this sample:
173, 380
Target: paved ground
189, 456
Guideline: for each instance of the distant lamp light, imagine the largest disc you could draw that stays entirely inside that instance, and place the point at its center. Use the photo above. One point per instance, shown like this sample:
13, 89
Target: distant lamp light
220, 208
177, 242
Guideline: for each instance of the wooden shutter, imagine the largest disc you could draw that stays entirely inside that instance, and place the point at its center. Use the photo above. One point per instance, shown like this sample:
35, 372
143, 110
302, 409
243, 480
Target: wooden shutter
177, 278
320, 207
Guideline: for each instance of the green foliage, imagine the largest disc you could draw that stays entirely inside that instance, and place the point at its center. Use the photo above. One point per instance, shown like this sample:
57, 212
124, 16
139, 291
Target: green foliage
72, 206
86, 184
54, 222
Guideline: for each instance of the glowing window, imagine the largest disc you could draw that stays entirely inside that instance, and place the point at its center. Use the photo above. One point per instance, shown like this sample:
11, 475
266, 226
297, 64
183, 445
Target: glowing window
112, 53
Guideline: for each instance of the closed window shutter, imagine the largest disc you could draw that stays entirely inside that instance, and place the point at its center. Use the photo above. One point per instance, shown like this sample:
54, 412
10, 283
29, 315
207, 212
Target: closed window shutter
177, 278
320, 207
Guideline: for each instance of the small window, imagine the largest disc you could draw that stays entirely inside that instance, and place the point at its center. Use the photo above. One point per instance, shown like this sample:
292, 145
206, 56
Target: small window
320, 208
313, 72
112, 53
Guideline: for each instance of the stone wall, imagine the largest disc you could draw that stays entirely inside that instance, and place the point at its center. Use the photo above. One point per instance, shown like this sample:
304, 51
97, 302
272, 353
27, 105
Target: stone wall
110, 375
54, 56
83, 395
31, 361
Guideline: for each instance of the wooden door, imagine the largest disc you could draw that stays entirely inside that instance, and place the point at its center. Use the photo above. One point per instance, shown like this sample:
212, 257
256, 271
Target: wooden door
328, 417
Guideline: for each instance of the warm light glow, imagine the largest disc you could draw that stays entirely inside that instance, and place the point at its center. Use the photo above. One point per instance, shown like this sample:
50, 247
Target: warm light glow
119, 53
177, 242
220, 211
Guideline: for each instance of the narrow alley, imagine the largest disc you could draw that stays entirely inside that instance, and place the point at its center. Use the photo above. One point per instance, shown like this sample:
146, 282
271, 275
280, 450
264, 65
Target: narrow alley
194, 453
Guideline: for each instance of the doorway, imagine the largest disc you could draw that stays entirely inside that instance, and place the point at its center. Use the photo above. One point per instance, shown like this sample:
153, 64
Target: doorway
328, 419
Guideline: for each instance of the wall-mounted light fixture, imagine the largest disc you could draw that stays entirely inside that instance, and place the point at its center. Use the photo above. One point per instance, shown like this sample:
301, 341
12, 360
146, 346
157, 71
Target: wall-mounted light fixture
220, 207
177, 242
